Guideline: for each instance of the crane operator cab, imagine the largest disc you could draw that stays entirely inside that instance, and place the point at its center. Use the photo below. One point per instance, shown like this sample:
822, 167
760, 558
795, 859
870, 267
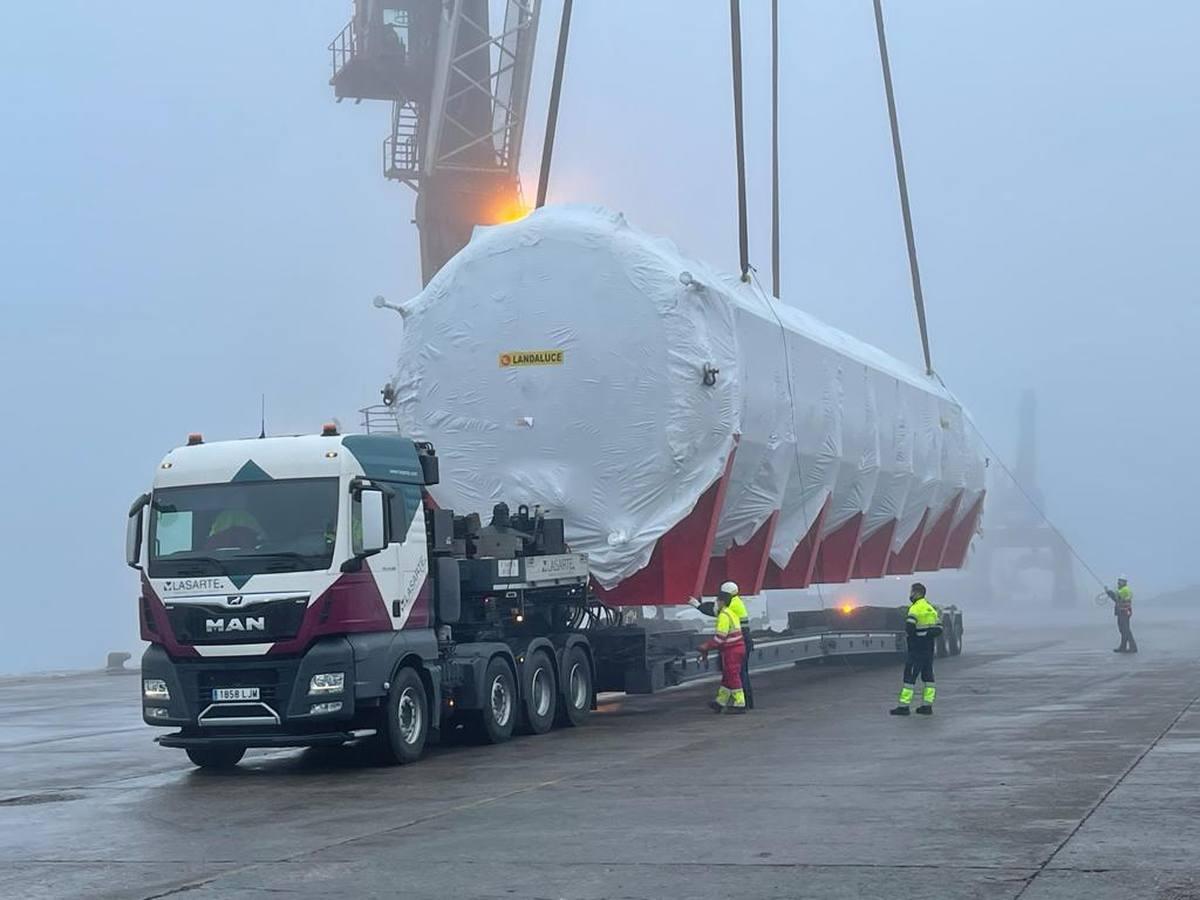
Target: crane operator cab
380, 54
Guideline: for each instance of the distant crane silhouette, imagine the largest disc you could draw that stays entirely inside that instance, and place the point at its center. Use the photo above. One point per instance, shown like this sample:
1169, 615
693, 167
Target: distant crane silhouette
1016, 525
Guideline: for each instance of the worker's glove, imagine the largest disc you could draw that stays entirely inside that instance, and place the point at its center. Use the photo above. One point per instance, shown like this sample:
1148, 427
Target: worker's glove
693, 603
703, 657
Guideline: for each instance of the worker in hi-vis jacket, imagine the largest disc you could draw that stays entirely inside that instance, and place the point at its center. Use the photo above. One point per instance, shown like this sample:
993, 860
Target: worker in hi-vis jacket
922, 626
1122, 599
729, 592
728, 641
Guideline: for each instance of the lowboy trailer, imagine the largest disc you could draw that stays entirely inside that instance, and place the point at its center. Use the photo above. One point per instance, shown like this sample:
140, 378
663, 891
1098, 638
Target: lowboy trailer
305, 591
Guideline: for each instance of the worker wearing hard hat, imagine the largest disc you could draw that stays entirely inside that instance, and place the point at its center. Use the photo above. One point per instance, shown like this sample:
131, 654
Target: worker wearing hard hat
730, 595
1122, 599
728, 641
923, 626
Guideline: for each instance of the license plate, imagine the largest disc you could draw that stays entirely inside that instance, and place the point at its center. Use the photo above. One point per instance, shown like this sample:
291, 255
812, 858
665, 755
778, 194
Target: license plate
235, 694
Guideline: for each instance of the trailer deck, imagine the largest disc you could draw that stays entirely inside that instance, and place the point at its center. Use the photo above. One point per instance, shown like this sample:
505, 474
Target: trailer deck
642, 661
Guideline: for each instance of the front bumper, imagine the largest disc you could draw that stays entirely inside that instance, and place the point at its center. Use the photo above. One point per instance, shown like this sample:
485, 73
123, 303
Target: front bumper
281, 715
183, 740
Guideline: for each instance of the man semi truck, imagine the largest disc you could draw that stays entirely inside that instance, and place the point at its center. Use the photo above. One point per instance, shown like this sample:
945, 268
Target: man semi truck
305, 591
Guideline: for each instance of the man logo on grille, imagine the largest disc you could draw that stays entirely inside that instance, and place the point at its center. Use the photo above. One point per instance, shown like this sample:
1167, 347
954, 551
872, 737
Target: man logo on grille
225, 626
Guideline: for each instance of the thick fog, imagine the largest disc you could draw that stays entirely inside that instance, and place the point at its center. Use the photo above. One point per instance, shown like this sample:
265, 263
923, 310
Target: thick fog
189, 222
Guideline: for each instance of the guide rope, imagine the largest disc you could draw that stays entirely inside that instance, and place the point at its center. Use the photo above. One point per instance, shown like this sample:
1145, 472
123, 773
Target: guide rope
1024, 492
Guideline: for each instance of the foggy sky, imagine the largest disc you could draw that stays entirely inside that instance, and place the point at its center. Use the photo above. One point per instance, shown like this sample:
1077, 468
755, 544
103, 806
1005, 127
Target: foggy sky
189, 221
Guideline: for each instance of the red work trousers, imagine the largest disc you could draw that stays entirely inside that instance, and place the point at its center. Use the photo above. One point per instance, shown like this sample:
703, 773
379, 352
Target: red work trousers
732, 656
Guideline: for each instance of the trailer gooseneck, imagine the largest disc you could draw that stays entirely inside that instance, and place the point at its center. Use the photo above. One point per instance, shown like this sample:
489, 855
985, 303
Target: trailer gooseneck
303, 591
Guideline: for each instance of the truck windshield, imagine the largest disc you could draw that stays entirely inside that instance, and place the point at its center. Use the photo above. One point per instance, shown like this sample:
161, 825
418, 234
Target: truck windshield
243, 528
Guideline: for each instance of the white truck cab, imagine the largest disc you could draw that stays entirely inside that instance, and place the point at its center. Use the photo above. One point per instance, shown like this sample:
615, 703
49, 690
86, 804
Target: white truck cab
302, 565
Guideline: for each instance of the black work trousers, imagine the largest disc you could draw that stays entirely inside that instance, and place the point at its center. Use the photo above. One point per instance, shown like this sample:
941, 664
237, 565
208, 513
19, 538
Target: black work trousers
919, 664
1127, 641
746, 686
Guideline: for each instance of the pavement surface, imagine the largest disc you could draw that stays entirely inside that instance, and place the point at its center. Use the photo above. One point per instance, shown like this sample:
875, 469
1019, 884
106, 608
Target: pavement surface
1052, 769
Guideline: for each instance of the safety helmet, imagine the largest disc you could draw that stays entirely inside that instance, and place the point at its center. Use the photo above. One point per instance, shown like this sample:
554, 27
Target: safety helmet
730, 588
1122, 580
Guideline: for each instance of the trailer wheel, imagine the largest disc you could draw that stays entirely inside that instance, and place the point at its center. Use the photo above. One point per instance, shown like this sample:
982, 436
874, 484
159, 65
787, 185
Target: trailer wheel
939, 647
218, 757
499, 713
954, 641
539, 695
576, 699
406, 718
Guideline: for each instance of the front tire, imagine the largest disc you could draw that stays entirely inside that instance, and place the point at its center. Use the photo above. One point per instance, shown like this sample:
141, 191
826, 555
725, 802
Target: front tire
499, 713
539, 695
575, 704
216, 757
406, 718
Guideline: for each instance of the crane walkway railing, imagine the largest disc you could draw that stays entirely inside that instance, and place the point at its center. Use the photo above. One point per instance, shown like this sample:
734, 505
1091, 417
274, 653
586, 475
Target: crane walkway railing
378, 419
344, 47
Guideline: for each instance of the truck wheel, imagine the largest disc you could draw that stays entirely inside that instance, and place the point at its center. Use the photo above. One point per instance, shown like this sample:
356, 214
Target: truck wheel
539, 695
499, 713
940, 646
406, 718
216, 757
576, 701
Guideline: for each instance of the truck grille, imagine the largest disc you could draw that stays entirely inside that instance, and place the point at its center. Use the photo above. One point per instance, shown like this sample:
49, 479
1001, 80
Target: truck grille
256, 623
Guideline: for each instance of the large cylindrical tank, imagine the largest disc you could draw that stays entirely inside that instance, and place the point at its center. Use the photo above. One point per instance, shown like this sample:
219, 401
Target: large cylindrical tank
570, 361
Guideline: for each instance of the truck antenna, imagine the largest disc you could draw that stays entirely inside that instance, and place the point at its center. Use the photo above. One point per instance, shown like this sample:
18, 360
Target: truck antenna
263, 418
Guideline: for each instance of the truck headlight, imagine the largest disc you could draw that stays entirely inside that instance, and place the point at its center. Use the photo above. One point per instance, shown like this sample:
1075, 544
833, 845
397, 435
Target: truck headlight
324, 709
156, 712
327, 683
155, 689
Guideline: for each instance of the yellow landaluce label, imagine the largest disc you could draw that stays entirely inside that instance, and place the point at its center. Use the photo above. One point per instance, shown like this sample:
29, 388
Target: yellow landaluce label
515, 358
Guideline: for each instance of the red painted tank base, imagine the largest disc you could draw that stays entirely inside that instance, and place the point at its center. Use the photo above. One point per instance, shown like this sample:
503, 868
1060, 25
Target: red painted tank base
679, 563
904, 560
934, 546
874, 551
744, 564
798, 573
955, 556
839, 550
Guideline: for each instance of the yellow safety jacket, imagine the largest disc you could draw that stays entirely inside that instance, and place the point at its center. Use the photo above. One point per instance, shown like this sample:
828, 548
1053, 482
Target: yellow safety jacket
729, 630
1125, 599
738, 608
924, 619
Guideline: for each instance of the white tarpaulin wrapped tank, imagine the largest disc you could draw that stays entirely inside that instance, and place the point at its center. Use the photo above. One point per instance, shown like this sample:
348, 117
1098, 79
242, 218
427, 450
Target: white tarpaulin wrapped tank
571, 361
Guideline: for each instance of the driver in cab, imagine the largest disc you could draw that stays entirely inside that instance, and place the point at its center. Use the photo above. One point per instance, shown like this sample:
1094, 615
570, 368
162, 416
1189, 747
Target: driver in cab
234, 529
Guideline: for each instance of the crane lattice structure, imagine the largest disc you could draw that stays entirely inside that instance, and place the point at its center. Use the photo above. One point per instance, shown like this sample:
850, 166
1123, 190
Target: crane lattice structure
459, 90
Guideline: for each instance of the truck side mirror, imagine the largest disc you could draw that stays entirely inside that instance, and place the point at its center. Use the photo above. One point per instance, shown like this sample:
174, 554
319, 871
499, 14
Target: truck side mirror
372, 506
443, 530
448, 591
133, 532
